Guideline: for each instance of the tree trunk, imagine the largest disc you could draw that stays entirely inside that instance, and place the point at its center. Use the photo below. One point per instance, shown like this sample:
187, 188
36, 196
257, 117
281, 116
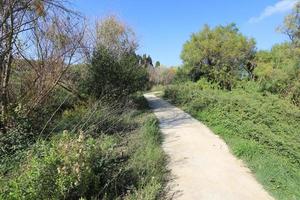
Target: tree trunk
4, 93
5, 71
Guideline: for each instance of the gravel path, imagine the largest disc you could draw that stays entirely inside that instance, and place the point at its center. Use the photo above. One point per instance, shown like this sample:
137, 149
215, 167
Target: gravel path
201, 164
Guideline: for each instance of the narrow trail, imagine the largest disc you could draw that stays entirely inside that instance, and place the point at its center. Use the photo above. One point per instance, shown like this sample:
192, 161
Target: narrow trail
201, 164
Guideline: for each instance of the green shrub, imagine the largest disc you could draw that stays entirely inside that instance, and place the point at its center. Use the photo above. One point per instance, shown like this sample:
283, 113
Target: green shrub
148, 162
294, 93
278, 71
182, 75
60, 169
115, 78
17, 138
261, 128
122, 158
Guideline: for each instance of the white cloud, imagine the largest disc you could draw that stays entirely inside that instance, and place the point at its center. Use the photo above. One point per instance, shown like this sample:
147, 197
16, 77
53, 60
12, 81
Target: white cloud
280, 7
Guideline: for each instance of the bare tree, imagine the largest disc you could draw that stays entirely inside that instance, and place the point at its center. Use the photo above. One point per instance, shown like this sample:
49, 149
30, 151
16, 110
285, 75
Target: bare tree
57, 44
115, 36
161, 75
42, 33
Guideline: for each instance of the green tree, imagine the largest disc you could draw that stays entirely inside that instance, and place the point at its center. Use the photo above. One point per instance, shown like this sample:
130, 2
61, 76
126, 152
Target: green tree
291, 25
115, 70
157, 64
145, 61
221, 54
115, 78
278, 70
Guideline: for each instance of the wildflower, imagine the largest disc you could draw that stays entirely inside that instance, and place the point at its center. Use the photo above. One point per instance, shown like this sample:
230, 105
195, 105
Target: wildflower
65, 132
81, 136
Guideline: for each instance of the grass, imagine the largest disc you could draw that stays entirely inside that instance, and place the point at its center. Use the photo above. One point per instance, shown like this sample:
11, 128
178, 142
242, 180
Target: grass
148, 161
157, 88
261, 129
122, 159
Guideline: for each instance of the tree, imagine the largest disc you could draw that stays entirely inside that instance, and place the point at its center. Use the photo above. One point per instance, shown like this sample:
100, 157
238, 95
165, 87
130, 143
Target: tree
221, 54
18, 20
278, 70
157, 64
115, 69
145, 61
161, 75
115, 36
55, 45
115, 79
291, 25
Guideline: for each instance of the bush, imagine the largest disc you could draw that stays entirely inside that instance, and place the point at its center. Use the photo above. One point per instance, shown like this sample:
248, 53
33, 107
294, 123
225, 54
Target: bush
61, 169
295, 93
221, 54
97, 117
115, 78
278, 71
71, 166
182, 75
261, 128
148, 162
26, 127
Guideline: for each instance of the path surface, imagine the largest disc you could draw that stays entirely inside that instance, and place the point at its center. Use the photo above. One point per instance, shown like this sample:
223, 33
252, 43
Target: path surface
200, 162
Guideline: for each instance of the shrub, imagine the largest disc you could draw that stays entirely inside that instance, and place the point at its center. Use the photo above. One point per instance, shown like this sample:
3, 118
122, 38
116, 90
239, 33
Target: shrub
182, 75
60, 169
278, 71
115, 78
294, 93
71, 166
260, 127
26, 127
148, 162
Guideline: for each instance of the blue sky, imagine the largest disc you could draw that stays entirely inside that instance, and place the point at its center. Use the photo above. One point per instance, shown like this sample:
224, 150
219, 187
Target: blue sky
162, 26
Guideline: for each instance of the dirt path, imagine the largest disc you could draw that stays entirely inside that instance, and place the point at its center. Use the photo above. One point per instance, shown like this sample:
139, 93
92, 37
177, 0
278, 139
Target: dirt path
200, 162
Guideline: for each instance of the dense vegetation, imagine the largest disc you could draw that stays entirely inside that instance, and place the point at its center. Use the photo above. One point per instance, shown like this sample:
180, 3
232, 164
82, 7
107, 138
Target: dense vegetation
115, 155
224, 56
262, 129
249, 97
74, 124
220, 54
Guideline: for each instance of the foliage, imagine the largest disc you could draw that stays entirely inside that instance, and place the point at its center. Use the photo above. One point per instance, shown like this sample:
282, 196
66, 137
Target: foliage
61, 169
221, 54
24, 131
115, 78
74, 131
157, 64
291, 25
260, 128
38, 44
183, 75
115, 36
145, 61
75, 81
148, 162
161, 75
71, 166
278, 70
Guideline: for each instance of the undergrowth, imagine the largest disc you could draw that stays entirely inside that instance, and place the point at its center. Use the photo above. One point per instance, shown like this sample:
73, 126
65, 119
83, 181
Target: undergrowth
260, 128
94, 152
